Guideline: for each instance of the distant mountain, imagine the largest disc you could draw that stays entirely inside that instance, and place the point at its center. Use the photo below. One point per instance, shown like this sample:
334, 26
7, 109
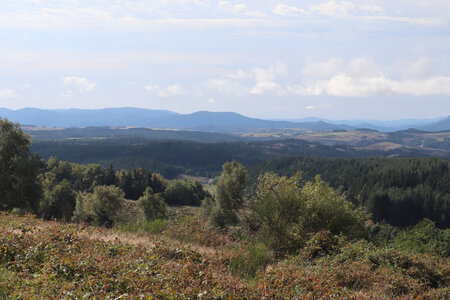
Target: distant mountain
126, 116
123, 117
441, 125
226, 122
383, 126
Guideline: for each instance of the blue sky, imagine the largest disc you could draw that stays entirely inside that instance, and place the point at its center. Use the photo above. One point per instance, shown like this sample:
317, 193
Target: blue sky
269, 59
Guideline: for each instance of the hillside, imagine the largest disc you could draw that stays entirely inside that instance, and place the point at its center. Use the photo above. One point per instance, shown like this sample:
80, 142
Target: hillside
441, 125
50, 259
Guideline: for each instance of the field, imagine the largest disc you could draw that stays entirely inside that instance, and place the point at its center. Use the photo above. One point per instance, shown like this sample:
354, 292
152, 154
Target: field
188, 260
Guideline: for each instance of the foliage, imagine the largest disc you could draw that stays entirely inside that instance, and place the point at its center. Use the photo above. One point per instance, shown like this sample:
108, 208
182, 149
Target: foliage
19, 185
401, 191
250, 261
326, 210
156, 226
229, 195
101, 207
276, 211
59, 202
179, 192
284, 210
424, 238
194, 229
152, 205
54, 260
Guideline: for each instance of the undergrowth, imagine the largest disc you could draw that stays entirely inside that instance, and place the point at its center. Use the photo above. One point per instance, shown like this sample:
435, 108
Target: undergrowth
41, 260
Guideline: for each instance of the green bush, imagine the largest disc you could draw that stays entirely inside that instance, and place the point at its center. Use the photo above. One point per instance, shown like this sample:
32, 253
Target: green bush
152, 205
284, 211
424, 238
229, 195
59, 202
101, 207
247, 264
181, 193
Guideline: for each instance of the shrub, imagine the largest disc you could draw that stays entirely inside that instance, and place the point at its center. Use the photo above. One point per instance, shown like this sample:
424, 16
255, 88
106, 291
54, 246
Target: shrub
246, 264
101, 207
326, 210
284, 211
424, 238
152, 205
229, 196
181, 193
276, 212
59, 202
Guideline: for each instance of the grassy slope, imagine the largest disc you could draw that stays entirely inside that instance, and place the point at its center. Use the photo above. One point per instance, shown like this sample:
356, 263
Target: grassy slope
188, 260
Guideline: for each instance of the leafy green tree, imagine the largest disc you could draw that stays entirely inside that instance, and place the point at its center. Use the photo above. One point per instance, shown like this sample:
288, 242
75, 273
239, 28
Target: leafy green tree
229, 196
424, 238
100, 208
152, 205
19, 183
285, 211
276, 212
59, 202
181, 193
327, 210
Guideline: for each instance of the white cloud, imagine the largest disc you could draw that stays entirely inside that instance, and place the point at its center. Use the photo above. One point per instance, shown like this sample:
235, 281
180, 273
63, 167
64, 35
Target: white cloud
169, 91
265, 86
320, 106
334, 8
290, 11
227, 86
8, 94
361, 66
242, 9
347, 86
82, 83
255, 81
212, 100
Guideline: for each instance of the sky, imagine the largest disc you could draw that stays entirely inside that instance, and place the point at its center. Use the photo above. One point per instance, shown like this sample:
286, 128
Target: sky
267, 59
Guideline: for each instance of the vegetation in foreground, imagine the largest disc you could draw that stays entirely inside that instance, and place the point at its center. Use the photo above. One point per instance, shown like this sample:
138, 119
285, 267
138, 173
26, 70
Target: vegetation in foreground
41, 259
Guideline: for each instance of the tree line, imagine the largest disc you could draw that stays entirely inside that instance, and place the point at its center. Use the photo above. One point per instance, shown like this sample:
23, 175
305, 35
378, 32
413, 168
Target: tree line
400, 191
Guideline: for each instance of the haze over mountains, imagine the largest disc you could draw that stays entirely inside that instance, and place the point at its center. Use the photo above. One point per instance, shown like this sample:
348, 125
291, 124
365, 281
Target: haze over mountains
203, 120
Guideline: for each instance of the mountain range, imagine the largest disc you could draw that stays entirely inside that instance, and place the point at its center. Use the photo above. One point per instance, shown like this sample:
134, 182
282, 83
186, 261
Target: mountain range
227, 122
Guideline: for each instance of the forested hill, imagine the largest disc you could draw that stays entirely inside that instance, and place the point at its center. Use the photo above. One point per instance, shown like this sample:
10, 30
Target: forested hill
400, 191
173, 157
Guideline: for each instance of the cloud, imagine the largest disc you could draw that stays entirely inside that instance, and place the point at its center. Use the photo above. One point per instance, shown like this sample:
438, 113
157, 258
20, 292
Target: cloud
344, 85
320, 106
361, 66
82, 83
8, 94
255, 81
242, 9
352, 11
334, 8
289, 11
169, 91
212, 100
265, 86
